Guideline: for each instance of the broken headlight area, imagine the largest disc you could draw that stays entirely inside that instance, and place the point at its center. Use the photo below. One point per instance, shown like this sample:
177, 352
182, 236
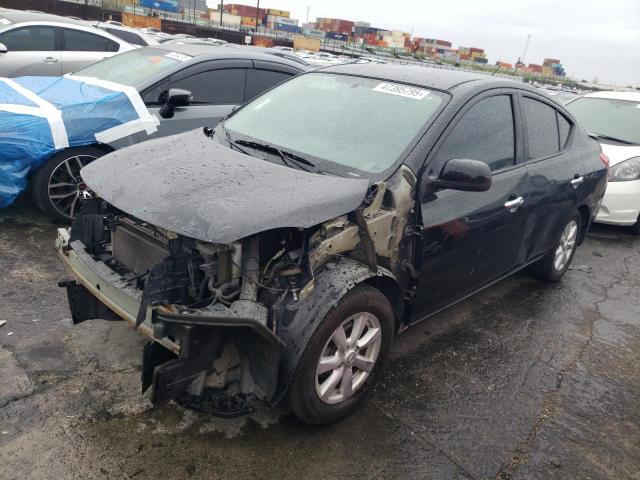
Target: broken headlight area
217, 304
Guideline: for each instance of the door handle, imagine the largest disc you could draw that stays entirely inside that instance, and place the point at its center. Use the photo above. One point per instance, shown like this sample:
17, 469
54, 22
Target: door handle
575, 183
513, 205
50, 60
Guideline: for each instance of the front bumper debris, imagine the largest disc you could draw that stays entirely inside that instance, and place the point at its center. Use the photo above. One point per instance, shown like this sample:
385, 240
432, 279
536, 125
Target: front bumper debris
191, 340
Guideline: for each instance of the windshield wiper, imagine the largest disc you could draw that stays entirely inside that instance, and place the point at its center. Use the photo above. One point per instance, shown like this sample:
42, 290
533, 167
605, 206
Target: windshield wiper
615, 139
284, 155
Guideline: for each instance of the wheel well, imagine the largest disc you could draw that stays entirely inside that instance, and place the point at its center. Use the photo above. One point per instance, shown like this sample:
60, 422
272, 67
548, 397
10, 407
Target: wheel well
390, 288
104, 147
585, 213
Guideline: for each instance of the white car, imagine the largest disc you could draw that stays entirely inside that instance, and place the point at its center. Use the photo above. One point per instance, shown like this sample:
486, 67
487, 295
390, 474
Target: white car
50, 45
614, 118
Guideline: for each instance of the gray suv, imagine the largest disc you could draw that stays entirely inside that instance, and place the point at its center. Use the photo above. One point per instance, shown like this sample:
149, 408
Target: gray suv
50, 45
184, 86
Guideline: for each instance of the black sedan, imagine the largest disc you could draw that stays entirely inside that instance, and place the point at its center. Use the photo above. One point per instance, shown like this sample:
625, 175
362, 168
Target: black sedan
321, 219
185, 86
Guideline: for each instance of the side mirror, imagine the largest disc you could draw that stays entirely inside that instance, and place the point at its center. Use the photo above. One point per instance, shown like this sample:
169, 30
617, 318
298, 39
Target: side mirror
3, 48
172, 98
460, 174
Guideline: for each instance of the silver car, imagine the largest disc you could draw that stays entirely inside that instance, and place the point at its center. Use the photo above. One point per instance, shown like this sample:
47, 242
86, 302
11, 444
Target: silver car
50, 45
184, 86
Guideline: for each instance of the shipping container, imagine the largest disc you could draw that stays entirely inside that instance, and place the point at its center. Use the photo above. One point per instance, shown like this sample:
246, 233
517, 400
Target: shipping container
248, 21
285, 27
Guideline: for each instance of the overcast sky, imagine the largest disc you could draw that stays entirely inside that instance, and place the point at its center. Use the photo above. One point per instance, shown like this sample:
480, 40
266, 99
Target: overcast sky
593, 39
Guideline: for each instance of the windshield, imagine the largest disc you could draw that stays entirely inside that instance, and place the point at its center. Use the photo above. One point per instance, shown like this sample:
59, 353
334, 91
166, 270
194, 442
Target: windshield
608, 116
359, 123
133, 67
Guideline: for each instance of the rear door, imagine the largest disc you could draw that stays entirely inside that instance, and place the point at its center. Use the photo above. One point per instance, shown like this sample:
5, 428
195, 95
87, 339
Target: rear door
31, 50
556, 173
80, 48
470, 239
217, 86
266, 75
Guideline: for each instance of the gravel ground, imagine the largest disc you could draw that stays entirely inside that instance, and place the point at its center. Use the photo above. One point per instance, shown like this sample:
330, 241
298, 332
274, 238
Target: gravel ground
525, 380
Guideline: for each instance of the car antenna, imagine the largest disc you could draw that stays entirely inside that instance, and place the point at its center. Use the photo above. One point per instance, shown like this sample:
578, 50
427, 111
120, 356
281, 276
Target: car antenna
494, 72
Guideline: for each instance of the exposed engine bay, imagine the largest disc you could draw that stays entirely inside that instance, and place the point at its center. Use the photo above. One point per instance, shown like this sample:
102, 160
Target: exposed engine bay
217, 312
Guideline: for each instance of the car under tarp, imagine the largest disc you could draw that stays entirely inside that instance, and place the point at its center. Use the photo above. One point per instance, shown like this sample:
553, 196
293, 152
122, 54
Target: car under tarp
40, 116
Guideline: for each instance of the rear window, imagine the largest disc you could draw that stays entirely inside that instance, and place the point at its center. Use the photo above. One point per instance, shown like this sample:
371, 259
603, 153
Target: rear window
133, 67
542, 128
130, 37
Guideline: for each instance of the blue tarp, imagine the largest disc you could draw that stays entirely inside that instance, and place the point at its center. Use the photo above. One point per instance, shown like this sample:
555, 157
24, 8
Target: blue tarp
42, 115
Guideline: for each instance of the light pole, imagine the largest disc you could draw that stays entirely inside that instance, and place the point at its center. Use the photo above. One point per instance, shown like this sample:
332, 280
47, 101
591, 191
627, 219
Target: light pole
221, 10
257, 14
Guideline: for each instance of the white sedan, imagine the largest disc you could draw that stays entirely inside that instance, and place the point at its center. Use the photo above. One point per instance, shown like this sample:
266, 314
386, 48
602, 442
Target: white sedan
614, 118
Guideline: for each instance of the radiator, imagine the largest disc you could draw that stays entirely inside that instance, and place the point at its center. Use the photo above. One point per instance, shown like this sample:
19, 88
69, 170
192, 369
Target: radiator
136, 248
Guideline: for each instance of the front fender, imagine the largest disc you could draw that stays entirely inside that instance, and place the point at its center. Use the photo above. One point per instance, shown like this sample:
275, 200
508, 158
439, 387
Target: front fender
298, 321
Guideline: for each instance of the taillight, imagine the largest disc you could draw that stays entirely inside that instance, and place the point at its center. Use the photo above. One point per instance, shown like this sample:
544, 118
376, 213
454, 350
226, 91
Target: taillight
604, 160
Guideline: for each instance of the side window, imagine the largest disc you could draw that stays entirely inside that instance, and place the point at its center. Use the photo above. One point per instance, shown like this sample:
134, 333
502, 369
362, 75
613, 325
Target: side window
260, 80
217, 87
564, 128
81, 41
542, 128
485, 132
30, 39
130, 37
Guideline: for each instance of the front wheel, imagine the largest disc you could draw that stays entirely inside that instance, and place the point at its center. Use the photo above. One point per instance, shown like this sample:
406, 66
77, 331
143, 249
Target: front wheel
553, 266
343, 357
57, 186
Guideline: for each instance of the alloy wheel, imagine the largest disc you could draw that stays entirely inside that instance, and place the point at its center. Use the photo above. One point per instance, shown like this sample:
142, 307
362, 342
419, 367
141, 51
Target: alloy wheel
66, 187
348, 357
566, 245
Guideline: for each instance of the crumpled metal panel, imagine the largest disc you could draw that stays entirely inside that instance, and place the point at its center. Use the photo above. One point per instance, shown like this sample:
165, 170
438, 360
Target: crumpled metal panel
194, 186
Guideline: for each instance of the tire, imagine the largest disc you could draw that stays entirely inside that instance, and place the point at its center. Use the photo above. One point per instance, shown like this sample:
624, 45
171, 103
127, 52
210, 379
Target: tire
62, 169
635, 228
550, 268
365, 305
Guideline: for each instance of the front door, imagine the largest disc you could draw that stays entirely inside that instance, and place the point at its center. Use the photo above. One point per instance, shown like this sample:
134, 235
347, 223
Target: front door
31, 50
470, 239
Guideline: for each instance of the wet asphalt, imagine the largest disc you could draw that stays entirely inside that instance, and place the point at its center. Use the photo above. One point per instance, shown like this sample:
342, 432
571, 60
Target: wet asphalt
525, 380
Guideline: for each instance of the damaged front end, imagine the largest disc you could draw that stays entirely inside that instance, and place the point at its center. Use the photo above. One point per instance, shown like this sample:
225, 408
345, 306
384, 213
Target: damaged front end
228, 322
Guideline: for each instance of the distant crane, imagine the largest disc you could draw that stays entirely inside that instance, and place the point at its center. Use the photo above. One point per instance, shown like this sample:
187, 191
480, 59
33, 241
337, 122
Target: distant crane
526, 47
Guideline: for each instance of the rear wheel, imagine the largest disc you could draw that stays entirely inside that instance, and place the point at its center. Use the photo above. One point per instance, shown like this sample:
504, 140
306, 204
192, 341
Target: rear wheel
343, 358
553, 266
635, 228
57, 185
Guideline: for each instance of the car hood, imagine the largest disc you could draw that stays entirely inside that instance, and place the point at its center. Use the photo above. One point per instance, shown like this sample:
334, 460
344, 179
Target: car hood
194, 186
619, 153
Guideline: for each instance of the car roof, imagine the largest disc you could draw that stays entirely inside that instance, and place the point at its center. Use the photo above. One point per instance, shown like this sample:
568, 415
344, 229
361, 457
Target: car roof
630, 96
230, 51
20, 16
428, 77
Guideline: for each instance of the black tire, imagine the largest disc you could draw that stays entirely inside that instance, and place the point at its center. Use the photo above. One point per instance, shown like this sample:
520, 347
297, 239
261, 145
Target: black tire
546, 268
302, 398
42, 177
635, 228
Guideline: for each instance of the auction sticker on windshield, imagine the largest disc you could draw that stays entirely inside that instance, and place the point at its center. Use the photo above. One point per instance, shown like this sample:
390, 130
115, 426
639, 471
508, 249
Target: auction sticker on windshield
402, 90
178, 56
